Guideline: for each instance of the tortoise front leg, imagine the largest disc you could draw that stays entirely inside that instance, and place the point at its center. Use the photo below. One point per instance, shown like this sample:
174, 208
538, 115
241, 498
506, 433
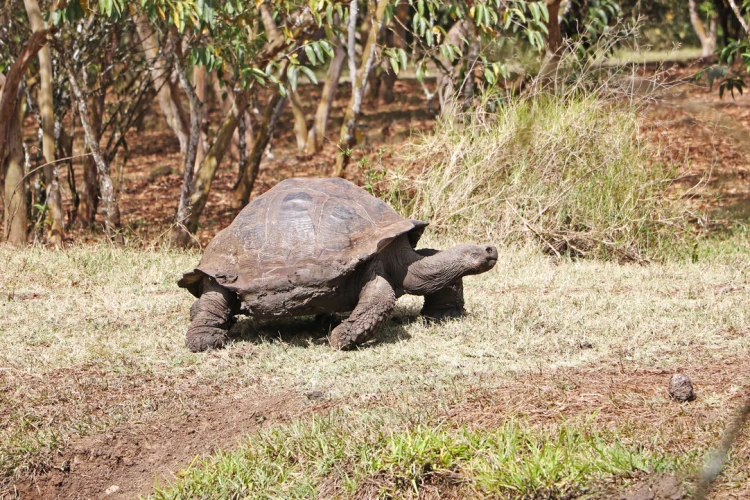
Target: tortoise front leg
447, 302
376, 301
211, 317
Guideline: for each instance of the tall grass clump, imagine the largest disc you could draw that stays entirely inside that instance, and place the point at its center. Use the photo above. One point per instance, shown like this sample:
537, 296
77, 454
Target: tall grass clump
566, 170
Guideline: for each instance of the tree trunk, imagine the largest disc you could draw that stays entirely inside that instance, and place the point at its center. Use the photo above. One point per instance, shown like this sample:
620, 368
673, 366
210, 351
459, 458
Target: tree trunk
242, 193
300, 123
317, 132
272, 31
90, 192
15, 209
169, 101
226, 105
388, 75
200, 80
738, 15
469, 83
399, 26
723, 15
347, 138
202, 183
446, 81
109, 199
179, 235
47, 113
10, 95
707, 39
65, 150
547, 74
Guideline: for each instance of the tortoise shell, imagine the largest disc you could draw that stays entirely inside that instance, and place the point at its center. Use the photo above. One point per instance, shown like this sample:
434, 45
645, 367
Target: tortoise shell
303, 233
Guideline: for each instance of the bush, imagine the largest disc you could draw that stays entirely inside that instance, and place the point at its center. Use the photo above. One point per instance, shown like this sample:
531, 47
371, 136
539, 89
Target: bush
566, 171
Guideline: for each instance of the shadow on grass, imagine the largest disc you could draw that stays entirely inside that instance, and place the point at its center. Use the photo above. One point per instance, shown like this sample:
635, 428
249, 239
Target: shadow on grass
309, 331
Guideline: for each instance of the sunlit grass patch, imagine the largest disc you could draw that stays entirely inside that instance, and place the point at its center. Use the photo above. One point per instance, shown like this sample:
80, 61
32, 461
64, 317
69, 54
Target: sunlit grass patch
344, 455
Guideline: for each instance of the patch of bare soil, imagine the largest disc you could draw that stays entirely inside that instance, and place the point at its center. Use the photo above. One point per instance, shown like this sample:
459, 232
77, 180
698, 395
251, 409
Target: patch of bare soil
665, 487
709, 136
128, 459
617, 397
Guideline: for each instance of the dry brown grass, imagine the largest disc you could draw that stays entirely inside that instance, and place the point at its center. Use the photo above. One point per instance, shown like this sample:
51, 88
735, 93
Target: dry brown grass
93, 337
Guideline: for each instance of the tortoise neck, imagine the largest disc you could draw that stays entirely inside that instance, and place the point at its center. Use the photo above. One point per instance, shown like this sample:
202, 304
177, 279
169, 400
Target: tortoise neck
433, 271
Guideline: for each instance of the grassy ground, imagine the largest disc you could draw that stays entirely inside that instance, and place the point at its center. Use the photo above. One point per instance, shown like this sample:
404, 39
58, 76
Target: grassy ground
565, 362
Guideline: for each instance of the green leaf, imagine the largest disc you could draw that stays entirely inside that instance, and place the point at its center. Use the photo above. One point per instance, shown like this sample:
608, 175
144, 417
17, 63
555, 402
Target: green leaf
309, 73
318, 52
394, 65
310, 54
329, 15
291, 74
489, 76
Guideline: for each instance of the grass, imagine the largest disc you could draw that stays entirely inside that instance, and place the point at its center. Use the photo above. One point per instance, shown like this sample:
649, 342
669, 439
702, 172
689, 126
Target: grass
344, 455
567, 172
93, 337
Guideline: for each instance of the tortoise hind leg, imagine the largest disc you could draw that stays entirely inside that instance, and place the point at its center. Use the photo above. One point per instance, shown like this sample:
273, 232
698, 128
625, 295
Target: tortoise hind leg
376, 301
211, 317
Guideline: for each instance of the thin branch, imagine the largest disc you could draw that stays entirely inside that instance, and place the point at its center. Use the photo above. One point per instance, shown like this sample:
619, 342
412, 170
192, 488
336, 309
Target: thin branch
9, 98
715, 464
737, 13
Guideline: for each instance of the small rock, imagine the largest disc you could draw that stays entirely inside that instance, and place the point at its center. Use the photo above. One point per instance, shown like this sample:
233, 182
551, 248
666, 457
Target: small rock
681, 388
112, 489
160, 171
315, 395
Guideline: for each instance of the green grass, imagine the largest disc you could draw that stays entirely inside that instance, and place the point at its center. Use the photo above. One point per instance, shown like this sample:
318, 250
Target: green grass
344, 455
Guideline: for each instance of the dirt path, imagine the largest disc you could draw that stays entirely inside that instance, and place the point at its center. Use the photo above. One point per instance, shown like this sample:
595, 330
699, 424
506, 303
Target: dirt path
130, 458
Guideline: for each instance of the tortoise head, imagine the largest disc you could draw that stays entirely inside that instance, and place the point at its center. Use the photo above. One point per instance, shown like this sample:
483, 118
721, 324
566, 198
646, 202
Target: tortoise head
477, 259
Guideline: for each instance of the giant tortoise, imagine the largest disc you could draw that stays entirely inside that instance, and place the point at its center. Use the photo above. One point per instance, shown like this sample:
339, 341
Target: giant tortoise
322, 246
